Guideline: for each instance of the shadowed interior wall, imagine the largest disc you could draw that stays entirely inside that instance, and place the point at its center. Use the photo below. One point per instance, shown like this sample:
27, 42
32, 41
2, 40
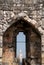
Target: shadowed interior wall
33, 43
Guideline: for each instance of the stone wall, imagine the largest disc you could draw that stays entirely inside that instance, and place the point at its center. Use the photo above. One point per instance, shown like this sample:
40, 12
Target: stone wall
33, 43
35, 10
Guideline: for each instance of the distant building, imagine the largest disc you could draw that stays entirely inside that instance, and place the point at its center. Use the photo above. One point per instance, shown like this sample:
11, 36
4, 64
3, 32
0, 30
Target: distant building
20, 56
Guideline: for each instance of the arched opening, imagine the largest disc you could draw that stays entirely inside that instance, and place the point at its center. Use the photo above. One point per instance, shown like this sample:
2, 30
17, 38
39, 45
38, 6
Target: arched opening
22, 31
21, 45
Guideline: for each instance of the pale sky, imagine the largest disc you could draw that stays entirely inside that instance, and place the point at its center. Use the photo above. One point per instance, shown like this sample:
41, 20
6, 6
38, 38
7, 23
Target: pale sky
21, 44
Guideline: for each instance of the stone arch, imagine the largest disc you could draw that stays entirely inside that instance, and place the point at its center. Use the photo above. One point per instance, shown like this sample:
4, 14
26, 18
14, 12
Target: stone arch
33, 40
24, 16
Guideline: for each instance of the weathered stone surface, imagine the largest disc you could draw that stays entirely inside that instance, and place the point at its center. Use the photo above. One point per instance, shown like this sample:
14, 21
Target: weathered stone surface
9, 9
33, 43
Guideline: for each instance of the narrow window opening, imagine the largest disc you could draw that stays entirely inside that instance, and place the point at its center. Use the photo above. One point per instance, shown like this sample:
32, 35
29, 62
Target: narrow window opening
21, 46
